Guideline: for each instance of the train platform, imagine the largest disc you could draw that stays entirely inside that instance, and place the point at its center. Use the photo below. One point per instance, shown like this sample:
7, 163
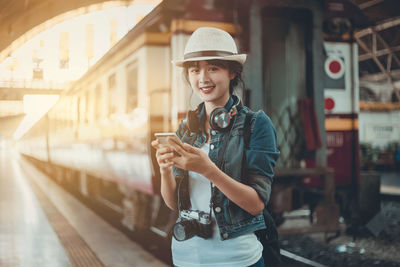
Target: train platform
42, 225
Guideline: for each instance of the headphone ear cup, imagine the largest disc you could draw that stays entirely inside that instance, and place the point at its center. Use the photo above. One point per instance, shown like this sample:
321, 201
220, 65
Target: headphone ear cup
219, 119
192, 121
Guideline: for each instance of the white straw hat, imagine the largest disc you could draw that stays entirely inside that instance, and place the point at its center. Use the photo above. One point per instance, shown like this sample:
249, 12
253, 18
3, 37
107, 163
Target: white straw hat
208, 43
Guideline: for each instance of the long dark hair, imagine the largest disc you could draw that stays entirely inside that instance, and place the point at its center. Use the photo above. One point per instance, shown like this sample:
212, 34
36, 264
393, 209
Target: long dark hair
232, 66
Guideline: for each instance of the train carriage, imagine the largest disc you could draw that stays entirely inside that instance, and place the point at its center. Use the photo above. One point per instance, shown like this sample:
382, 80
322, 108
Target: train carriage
341, 106
341, 112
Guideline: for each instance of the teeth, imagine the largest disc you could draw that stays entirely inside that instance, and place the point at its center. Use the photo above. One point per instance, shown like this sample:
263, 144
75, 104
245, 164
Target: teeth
207, 89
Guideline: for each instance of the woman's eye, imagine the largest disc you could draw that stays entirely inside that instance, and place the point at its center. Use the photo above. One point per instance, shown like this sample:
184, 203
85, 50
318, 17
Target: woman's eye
213, 69
193, 70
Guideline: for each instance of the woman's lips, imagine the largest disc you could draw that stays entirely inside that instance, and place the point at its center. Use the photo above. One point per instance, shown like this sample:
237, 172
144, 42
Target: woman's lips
207, 90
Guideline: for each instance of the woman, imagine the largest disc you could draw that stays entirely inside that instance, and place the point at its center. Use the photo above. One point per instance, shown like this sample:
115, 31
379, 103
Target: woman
218, 183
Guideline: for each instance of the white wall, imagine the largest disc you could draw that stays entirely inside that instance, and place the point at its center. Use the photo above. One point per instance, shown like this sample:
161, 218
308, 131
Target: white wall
379, 128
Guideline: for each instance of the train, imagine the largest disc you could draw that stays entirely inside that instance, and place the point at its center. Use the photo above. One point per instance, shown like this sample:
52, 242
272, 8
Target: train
96, 139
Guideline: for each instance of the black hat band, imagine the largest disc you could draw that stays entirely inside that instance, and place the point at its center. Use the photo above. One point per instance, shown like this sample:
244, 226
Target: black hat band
210, 53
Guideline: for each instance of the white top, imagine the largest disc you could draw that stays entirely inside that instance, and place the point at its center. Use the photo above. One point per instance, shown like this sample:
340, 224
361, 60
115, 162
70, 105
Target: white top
244, 250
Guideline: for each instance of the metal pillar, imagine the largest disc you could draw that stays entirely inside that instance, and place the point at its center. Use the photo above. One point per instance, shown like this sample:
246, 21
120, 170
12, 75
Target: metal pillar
318, 81
254, 68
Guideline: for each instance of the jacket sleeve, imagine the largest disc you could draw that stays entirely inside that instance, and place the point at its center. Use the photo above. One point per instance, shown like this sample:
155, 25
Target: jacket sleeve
261, 155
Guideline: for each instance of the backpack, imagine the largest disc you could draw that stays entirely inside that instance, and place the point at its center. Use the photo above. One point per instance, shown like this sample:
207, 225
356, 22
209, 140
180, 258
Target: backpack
269, 236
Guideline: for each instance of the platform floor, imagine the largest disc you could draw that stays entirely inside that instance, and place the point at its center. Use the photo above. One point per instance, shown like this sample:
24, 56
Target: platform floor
42, 225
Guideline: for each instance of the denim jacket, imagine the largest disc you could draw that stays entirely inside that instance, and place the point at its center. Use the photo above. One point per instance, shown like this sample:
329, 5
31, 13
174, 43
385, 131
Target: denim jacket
260, 158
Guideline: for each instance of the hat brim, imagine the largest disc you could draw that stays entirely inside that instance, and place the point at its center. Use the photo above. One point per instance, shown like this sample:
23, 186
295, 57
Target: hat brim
241, 58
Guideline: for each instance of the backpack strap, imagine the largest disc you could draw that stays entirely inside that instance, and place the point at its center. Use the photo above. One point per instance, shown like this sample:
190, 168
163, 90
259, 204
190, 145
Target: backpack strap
247, 128
246, 138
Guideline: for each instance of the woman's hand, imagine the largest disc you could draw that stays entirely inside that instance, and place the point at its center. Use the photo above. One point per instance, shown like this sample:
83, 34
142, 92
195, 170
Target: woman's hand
191, 158
164, 155
194, 159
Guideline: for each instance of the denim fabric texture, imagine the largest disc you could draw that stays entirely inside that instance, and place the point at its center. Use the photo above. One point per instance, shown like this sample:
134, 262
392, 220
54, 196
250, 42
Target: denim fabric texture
261, 155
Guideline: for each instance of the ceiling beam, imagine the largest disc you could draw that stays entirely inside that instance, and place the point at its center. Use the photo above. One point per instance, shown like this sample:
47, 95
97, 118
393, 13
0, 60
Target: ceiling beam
379, 53
369, 4
375, 58
378, 77
385, 44
392, 22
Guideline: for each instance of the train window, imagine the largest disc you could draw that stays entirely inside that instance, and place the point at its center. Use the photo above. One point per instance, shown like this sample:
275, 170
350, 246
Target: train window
98, 101
112, 86
87, 107
78, 110
83, 110
58, 120
71, 110
132, 86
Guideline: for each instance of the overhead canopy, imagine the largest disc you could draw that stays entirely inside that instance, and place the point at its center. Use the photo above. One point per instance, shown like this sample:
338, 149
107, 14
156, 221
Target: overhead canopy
379, 43
18, 17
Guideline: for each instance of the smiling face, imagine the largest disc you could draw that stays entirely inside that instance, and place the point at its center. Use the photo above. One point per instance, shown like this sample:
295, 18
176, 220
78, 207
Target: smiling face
210, 82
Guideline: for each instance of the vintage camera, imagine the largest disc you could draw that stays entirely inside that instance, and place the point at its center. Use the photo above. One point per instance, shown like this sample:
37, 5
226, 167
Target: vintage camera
193, 222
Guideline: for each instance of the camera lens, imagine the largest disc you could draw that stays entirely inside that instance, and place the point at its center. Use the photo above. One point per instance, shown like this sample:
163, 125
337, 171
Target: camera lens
183, 231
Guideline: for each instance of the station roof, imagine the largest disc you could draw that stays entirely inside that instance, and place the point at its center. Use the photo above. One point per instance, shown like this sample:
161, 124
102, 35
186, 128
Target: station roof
379, 42
18, 17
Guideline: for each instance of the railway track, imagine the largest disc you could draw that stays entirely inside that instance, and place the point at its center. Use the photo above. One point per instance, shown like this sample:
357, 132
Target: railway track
290, 259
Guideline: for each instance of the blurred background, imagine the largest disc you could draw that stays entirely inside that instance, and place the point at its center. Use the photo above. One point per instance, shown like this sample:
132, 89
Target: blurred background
84, 85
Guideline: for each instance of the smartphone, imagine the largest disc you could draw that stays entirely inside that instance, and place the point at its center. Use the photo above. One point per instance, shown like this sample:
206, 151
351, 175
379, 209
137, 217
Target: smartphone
162, 137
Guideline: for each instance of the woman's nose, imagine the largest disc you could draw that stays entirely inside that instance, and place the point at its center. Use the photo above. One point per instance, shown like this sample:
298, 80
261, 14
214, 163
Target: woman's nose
204, 76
